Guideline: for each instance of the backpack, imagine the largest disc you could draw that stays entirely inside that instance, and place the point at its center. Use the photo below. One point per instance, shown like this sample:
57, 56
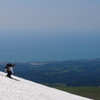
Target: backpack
7, 67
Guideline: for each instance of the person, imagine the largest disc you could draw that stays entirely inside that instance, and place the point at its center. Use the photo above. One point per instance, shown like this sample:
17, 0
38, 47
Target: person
9, 69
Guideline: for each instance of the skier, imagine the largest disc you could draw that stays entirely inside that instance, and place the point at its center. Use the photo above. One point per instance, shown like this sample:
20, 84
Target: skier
9, 69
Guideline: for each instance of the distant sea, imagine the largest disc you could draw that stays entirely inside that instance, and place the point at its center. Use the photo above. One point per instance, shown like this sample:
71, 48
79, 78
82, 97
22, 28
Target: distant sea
50, 47
59, 55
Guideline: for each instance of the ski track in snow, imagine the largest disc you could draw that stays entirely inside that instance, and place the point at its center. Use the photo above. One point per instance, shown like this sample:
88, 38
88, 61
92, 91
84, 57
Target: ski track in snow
22, 89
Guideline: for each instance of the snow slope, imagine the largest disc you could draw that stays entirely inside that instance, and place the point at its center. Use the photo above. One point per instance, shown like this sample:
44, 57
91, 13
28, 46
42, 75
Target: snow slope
21, 89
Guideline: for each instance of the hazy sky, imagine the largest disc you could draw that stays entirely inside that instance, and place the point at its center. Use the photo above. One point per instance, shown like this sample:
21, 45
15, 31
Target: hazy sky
49, 29
49, 14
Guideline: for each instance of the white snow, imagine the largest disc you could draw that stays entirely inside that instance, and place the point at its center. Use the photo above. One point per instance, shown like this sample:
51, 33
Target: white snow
22, 89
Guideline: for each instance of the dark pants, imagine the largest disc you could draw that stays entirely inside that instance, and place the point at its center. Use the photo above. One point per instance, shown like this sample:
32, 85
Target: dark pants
9, 73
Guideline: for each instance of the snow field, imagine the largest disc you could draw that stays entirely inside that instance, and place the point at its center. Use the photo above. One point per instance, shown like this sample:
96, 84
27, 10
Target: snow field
22, 89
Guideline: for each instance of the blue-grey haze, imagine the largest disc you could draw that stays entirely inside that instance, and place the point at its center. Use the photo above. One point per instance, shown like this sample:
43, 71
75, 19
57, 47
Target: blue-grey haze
49, 45
42, 30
